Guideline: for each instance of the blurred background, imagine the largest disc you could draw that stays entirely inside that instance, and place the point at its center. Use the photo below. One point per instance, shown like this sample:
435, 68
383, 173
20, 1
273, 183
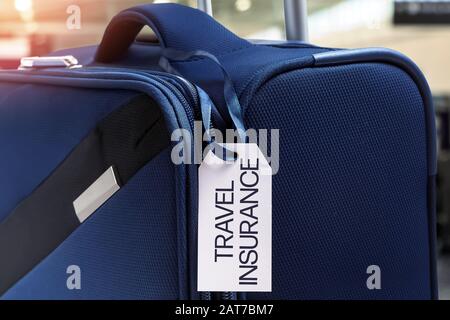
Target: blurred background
419, 29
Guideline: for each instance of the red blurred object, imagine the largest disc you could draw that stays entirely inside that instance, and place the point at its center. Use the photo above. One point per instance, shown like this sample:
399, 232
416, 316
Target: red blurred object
9, 64
40, 44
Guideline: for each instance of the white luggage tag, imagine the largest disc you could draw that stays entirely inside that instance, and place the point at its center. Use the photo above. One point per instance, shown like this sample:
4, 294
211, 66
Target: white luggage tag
235, 201
235, 222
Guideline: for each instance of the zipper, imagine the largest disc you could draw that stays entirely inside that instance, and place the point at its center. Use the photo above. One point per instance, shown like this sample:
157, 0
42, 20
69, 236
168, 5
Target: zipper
186, 86
295, 45
167, 89
126, 74
182, 89
193, 93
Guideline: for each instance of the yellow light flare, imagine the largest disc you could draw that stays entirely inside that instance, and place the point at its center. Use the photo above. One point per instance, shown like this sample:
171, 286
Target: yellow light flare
23, 5
243, 5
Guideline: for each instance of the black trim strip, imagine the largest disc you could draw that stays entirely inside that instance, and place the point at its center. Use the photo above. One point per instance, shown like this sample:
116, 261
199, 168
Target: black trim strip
127, 139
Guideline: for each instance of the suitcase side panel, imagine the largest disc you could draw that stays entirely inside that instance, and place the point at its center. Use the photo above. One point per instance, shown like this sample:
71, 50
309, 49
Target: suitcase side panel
352, 187
39, 126
126, 250
164, 177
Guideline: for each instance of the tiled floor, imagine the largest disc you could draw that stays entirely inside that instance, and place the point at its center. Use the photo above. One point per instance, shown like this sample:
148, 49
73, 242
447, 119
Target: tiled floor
444, 277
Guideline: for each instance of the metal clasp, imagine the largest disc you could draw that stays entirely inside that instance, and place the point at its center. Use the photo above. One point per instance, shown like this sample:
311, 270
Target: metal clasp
48, 62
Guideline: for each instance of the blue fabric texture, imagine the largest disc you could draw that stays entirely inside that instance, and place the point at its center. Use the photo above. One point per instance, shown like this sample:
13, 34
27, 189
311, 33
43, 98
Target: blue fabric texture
126, 250
352, 187
39, 126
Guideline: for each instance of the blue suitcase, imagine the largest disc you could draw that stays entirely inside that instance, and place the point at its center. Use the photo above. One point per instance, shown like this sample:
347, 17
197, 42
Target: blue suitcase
355, 186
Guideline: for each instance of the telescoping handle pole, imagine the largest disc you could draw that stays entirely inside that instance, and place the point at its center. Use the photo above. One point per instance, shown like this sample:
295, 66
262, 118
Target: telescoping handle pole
205, 6
296, 15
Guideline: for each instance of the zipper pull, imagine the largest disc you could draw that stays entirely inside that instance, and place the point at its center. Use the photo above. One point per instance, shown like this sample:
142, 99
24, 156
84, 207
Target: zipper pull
48, 62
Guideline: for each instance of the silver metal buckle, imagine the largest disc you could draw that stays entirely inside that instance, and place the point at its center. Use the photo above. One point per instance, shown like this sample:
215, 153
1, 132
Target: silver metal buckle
48, 62
96, 194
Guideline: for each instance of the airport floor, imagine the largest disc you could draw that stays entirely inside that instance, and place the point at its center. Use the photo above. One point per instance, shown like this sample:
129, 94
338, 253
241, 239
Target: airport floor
444, 277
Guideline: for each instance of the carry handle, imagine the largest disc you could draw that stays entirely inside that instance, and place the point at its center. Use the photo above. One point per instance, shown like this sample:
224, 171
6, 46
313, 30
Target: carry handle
176, 26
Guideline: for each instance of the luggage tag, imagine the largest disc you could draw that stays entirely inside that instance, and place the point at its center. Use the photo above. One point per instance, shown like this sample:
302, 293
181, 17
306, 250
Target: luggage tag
235, 201
235, 221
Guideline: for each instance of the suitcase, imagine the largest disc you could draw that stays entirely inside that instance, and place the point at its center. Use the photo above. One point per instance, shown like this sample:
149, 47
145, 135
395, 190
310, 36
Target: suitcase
354, 191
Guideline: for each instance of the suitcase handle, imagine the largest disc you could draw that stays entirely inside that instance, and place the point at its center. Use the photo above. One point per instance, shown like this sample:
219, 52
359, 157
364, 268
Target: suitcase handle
176, 26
